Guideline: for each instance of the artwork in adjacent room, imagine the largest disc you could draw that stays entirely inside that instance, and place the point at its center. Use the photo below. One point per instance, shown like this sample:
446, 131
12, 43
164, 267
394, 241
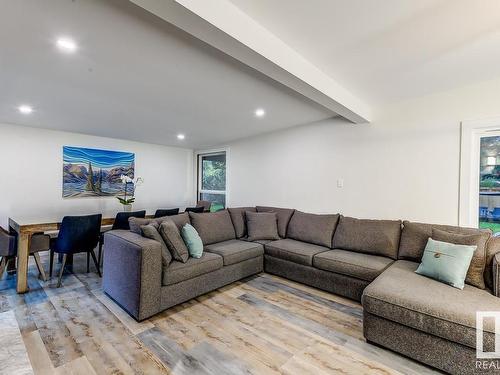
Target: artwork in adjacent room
95, 173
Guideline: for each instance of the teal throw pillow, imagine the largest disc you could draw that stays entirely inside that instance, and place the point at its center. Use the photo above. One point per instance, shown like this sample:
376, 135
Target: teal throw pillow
446, 262
192, 240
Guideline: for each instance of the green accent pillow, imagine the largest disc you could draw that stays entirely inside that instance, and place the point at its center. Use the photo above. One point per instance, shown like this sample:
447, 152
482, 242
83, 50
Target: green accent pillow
192, 240
446, 262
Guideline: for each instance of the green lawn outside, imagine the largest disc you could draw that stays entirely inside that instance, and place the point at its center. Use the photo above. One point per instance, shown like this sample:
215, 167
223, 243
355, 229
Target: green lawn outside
495, 227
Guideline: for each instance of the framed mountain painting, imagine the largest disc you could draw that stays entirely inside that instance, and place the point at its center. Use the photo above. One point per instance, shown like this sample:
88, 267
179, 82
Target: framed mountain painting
90, 172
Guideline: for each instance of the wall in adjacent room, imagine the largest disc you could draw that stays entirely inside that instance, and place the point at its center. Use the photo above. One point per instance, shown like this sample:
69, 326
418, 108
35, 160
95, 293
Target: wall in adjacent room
31, 174
405, 164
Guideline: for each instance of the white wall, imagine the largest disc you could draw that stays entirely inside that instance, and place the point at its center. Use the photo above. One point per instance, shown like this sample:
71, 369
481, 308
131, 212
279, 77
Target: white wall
405, 164
31, 174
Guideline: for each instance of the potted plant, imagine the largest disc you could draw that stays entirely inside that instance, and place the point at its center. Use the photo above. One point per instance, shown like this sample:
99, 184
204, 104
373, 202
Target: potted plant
129, 184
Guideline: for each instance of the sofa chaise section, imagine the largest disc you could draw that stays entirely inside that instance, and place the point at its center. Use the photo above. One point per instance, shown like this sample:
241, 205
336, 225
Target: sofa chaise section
402, 308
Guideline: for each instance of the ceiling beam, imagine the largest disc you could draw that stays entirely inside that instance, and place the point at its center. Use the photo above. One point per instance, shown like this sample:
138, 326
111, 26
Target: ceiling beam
227, 28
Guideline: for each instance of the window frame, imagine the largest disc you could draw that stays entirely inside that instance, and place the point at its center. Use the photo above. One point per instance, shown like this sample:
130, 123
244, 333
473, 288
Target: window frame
470, 147
198, 168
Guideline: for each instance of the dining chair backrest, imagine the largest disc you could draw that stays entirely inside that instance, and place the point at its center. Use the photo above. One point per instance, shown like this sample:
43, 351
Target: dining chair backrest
166, 212
195, 209
121, 219
78, 234
205, 204
7, 244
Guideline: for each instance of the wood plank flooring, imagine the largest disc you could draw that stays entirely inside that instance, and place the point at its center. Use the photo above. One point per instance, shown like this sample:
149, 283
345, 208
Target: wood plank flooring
260, 325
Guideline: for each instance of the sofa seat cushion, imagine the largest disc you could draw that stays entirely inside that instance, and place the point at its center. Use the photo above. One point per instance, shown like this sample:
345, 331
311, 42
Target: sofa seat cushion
294, 251
362, 266
178, 271
401, 295
235, 251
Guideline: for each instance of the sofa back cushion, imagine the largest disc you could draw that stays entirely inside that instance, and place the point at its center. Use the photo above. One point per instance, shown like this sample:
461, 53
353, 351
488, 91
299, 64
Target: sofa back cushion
415, 235
283, 215
492, 247
180, 220
312, 228
239, 220
213, 226
378, 237
475, 271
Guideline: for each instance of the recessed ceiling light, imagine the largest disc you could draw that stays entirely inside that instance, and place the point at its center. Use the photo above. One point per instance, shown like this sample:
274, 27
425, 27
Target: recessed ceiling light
259, 112
181, 136
66, 44
25, 109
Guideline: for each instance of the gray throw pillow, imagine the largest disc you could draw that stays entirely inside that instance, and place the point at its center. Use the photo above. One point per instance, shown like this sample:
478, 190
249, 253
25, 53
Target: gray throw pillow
239, 221
262, 226
172, 237
136, 223
475, 273
151, 231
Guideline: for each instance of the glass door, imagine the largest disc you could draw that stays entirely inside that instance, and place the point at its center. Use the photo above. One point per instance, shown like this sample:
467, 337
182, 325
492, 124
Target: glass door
489, 182
212, 179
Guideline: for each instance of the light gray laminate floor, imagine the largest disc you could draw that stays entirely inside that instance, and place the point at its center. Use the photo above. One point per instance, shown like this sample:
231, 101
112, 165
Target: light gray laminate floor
261, 325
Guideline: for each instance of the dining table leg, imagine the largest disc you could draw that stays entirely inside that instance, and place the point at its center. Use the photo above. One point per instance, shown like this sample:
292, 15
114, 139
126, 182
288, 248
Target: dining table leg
23, 245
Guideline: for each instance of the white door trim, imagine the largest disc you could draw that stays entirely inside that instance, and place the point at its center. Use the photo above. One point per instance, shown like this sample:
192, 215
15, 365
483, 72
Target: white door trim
471, 133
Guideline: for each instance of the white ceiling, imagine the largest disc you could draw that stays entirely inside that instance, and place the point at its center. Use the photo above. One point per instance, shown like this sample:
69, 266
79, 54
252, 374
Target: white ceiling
389, 50
134, 77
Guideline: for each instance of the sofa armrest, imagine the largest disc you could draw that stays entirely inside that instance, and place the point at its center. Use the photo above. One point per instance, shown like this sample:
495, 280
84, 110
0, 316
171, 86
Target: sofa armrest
496, 274
132, 272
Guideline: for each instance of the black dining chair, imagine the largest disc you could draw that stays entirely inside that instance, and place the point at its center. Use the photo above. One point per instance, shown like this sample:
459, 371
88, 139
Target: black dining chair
121, 222
121, 219
200, 209
78, 234
8, 250
161, 212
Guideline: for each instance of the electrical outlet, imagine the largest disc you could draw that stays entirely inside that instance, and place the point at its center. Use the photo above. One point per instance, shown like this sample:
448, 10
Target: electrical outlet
340, 183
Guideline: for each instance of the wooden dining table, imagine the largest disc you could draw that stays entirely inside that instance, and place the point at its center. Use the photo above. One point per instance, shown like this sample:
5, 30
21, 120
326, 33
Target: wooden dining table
24, 228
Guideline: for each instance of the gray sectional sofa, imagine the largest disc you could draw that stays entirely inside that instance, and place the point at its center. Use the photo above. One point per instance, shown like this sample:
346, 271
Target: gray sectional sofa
371, 261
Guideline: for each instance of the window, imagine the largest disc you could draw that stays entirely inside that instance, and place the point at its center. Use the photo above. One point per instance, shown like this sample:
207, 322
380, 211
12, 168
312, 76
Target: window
480, 175
212, 179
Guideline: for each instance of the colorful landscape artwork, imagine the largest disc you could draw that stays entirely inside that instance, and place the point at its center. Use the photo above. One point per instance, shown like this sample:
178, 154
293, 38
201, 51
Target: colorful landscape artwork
95, 173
